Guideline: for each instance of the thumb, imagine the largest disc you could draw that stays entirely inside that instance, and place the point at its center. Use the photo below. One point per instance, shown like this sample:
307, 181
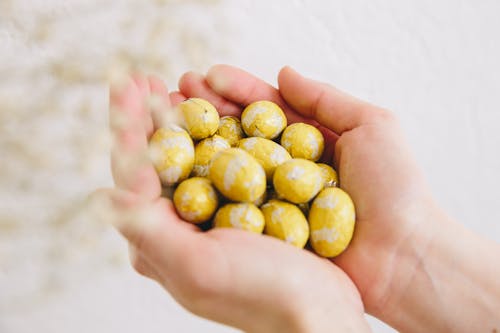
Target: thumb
327, 105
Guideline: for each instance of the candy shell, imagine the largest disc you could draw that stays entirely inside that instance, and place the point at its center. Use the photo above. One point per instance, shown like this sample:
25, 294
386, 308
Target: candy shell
286, 222
195, 200
245, 216
331, 218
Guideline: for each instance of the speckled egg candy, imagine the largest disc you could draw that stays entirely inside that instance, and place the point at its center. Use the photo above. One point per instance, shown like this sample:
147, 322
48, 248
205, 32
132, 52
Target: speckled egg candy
204, 151
171, 151
245, 216
330, 176
331, 219
200, 118
286, 222
267, 152
231, 130
303, 141
237, 175
195, 200
297, 180
264, 119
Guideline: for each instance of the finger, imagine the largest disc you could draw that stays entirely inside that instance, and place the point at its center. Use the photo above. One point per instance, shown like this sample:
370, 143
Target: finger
176, 250
130, 123
192, 84
144, 89
329, 106
159, 100
176, 97
141, 265
242, 88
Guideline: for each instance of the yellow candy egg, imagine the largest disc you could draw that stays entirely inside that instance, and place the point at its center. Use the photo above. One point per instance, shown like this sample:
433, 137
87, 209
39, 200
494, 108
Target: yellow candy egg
171, 151
285, 221
330, 176
237, 175
297, 180
267, 152
263, 119
244, 216
195, 200
303, 141
200, 118
331, 219
230, 129
204, 151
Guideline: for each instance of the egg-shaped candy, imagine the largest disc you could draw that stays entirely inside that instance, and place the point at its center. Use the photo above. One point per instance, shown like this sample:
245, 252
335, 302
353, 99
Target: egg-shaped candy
303, 141
297, 180
171, 151
200, 118
330, 176
267, 152
237, 175
195, 200
264, 119
245, 216
204, 151
286, 222
230, 129
331, 219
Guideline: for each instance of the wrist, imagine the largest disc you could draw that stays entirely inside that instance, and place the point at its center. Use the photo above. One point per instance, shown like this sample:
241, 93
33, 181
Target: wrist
338, 308
444, 280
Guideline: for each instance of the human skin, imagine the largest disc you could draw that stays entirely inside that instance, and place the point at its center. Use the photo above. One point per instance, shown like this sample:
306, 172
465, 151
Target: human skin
415, 268
253, 282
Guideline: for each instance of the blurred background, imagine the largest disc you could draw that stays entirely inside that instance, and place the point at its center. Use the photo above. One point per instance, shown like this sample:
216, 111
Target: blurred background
434, 63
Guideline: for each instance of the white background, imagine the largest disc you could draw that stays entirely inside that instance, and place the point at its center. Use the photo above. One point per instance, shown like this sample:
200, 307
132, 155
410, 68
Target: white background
434, 63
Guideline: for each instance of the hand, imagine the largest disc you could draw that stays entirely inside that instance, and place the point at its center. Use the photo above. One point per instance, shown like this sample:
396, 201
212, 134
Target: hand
402, 245
363, 143
253, 282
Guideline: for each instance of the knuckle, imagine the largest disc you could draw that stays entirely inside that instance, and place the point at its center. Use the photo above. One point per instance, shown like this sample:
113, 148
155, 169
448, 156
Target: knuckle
383, 116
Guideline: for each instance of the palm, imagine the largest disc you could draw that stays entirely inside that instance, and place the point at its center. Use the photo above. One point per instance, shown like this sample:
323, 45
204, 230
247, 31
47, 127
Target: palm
374, 177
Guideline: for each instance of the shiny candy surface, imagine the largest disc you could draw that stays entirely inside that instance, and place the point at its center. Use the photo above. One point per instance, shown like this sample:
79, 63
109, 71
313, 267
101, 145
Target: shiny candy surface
237, 175
195, 200
171, 151
297, 180
286, 222
201, 119
264, 119
331, 218
303, 141
245, 216
231, 130
268, 153
204, 151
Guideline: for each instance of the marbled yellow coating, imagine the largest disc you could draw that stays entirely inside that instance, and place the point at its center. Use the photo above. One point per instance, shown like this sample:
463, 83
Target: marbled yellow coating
267, 152
303, 141
264, 119
237, 175
204, 151
230, 129
244, 216
285, 221
261, 200
171, 151
330, 176
195, 200
297, 180
331, 219
200, 118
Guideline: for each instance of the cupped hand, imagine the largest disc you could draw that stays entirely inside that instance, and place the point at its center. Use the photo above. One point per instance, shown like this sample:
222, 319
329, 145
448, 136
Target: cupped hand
365, 144
253, 282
